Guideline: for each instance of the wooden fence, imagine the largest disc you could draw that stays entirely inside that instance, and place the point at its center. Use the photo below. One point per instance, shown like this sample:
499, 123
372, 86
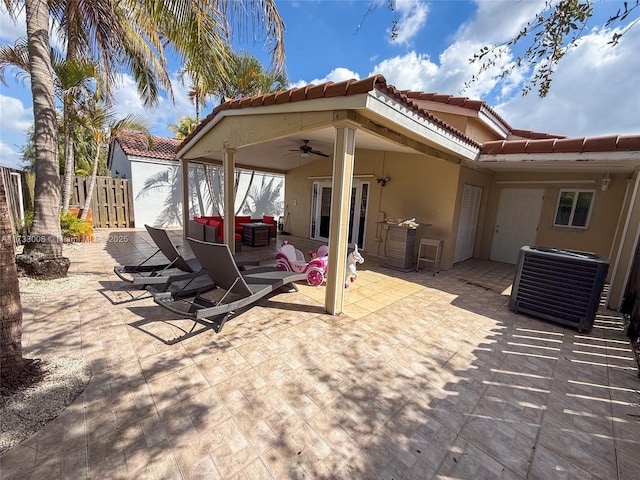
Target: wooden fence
112, 202
111, 206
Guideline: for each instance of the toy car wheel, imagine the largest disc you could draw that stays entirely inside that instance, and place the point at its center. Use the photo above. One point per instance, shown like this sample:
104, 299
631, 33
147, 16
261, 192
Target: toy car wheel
282, 266
315, 277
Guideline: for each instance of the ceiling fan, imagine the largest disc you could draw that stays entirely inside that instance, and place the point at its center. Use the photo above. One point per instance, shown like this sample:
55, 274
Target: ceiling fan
306, 149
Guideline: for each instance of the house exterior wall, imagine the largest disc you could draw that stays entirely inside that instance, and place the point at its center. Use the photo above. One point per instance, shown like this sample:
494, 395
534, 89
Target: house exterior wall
120, 165
421, 187
156, 206
472, 127
598, 237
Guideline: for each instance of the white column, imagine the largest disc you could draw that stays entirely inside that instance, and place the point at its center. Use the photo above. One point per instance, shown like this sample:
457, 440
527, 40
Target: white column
228, 167
185, 197
343, 159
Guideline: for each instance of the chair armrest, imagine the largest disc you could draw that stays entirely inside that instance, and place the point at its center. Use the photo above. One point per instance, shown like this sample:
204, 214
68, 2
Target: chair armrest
196, 230
211, 234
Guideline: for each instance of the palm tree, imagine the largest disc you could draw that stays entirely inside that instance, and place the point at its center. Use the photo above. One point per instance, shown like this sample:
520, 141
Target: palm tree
246, 77
75, 80
183, 127
46, 223
100, 121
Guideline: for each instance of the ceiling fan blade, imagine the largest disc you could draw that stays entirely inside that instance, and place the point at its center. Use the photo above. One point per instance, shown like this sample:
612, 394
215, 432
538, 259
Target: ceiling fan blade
316, 152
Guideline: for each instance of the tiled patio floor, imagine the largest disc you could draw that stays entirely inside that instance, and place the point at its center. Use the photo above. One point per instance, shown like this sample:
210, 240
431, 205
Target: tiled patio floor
423, 377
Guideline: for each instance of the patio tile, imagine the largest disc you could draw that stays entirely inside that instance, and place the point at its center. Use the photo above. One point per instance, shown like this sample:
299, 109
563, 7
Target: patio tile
423, 377
466, 461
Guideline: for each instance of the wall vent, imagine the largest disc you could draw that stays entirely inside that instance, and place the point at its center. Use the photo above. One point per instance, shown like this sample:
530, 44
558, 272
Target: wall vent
563, 286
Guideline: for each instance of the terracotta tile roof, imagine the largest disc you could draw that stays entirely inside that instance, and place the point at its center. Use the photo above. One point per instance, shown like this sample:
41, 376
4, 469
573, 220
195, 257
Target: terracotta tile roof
464, 102
519, 141
327, 90
610, 143
135, 144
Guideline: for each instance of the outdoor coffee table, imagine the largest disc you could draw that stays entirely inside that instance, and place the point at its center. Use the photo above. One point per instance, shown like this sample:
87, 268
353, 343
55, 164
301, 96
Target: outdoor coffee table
255, 234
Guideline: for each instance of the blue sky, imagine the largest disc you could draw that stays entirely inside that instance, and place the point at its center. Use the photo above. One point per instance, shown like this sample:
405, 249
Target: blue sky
594, 91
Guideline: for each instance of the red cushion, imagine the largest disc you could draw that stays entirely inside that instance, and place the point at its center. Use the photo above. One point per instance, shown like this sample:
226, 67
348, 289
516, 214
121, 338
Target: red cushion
200, 220
268, 219
217, 218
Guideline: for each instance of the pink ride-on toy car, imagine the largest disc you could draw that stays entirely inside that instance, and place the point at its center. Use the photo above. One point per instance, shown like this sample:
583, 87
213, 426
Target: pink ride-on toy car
291, 259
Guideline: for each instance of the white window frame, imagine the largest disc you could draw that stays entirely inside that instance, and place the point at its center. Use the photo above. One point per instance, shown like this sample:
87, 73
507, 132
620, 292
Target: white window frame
577, 192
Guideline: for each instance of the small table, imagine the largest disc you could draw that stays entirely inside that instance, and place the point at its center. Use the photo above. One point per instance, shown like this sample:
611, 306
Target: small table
255, 234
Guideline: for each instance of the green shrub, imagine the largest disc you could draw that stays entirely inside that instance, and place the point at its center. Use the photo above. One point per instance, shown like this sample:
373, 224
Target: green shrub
27, 223
75, 228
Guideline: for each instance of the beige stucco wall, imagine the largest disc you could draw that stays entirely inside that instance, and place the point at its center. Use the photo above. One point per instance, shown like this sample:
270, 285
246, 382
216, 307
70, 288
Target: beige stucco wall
421, 187
472, 127
597, 238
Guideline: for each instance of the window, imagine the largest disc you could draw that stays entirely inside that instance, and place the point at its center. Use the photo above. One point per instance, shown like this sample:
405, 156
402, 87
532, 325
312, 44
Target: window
574, 208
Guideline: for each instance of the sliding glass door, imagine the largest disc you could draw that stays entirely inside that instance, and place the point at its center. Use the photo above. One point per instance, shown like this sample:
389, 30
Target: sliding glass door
321, 209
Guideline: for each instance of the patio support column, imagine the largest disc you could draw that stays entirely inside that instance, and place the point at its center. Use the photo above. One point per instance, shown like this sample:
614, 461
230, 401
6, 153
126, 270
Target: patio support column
184, 163
343, 158
228, 168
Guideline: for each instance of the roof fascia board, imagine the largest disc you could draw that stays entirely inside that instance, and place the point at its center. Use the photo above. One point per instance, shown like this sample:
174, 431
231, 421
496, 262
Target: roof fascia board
484, 115
560, 157
317, 104
375, 128
385, 106
493, 123
162, 161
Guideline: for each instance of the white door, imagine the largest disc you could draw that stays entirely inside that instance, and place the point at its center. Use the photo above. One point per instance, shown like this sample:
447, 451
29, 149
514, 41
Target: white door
468, 222
516, 222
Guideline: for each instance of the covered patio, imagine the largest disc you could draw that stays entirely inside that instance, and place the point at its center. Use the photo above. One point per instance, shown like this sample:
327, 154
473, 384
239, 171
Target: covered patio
421, 377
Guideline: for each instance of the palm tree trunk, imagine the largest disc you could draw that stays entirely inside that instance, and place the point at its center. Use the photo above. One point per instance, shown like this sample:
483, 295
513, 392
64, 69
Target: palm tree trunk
92, 184
69, 160
45, 249
11, 362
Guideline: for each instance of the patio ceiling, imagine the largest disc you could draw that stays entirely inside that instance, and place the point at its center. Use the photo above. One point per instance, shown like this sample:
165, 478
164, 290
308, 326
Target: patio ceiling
282, 154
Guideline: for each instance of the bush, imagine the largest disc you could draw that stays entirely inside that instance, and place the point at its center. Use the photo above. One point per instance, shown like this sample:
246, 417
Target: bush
27, 223
74, 228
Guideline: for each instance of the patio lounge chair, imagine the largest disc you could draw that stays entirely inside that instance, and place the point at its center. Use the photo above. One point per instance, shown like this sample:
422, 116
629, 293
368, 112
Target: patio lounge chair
234, 289
160, 277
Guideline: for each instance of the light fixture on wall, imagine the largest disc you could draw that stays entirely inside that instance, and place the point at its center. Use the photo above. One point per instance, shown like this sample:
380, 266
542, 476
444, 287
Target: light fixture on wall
383, 181
605, 182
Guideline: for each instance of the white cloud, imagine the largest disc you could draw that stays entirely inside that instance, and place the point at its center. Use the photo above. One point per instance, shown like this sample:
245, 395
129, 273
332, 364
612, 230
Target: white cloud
498, 20
9, 157
417, 71
14, 116
11, 30
336, 75
594, 91
127, 101
413, 16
